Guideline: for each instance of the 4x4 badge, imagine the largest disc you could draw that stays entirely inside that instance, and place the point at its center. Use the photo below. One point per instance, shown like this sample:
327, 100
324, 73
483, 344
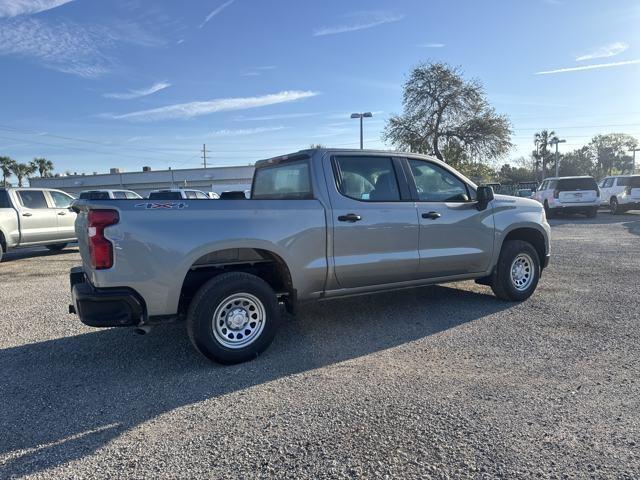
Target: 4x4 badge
161, 205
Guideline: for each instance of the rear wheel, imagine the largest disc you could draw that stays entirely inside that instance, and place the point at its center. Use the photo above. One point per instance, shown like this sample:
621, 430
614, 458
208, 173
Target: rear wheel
517, 273
1, 251
614, 206
233, 317
57, 247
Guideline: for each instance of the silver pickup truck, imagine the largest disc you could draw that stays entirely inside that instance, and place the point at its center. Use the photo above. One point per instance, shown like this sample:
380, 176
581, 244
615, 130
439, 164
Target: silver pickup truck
319, 224
35, 216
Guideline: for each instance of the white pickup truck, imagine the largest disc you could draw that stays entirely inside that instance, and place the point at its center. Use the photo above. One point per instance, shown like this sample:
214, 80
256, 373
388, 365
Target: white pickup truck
35, 216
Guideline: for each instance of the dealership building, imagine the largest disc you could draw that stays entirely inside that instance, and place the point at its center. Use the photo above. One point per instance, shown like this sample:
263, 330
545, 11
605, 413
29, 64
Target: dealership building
214, 179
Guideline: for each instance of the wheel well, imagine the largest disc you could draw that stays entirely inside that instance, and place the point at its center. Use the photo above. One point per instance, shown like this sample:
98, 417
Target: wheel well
261, 263
532, 236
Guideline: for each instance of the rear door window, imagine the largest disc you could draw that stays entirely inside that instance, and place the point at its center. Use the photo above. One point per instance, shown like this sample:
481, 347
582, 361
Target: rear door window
201, 196
368, 179
119, 195
570, 184
33, 199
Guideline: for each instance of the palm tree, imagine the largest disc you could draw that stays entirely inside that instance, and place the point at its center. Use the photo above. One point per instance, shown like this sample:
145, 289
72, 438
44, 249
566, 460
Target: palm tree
22, 170
542, 141
6, 164
43, 166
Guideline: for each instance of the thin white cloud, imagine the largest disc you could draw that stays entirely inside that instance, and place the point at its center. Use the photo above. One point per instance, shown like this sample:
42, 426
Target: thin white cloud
605, 51
66, 47
216, 11
432, 45
280, 116
196, 109
241, 132
13, 8
589, 67
143, 92
359, 21
257, 71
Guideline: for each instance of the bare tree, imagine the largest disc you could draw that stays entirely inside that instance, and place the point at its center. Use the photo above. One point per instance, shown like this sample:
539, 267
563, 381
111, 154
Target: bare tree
445, 112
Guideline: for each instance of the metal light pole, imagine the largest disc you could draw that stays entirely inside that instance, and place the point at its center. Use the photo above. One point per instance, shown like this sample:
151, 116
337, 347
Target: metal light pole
361, 116
557, 141
537, 158
633, 167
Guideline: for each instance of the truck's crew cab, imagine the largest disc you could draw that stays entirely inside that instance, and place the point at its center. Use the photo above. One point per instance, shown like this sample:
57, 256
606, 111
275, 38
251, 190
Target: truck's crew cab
35, 216
320, 224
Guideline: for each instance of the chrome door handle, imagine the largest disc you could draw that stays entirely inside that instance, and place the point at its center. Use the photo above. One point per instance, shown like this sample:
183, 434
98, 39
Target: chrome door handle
62, 213
27, 214
431, 215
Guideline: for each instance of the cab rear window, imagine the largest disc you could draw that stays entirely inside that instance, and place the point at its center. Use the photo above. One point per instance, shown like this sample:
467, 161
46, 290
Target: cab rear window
568, 184
284, 181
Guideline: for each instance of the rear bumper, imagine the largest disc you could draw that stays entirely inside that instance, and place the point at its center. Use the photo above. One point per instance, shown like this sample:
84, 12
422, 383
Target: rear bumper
573, 207
104, 307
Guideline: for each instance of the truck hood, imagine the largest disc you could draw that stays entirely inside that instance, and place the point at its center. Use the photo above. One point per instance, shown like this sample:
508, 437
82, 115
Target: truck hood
517, 201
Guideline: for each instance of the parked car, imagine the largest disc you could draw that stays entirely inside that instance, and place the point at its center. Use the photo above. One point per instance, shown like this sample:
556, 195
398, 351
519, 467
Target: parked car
569, 195
524, 193
108, 194
319, 224
620, 193
178, 194
35, 216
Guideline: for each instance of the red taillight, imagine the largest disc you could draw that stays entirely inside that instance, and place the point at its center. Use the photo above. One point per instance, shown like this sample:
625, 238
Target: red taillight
556, 193
101, 249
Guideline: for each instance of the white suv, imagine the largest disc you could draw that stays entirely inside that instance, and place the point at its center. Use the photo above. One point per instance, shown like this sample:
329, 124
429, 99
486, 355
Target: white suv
621, 193
569, 194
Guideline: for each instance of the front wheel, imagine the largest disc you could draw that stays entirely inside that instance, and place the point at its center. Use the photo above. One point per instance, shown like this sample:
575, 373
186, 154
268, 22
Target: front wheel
517, 273
233, 317
56, 247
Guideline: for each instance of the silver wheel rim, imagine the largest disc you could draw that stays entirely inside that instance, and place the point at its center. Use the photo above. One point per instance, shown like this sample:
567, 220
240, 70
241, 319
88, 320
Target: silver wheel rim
522, 272
239, 320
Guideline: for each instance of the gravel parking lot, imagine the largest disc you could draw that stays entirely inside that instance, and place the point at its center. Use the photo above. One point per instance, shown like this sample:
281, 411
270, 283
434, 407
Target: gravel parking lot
437, 382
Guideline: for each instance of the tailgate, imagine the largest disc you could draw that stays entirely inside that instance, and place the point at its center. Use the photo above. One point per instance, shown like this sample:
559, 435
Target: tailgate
635, 193
578, 196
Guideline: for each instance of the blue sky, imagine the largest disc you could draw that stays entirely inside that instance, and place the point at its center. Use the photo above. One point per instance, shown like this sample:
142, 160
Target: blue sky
97, 84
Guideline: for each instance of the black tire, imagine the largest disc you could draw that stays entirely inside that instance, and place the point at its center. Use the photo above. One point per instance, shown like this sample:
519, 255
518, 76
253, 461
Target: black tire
614, 206
1, 251
593, 213
211, 297
502, 284
57, 247
547, 211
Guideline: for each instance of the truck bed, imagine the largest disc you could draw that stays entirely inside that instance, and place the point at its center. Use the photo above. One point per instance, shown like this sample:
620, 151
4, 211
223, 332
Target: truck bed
162, 240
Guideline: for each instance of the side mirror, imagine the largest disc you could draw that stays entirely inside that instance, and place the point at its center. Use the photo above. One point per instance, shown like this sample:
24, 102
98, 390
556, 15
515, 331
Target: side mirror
484, 195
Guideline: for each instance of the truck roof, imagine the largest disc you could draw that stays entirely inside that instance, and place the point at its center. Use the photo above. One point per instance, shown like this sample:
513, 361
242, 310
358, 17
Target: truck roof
311, 151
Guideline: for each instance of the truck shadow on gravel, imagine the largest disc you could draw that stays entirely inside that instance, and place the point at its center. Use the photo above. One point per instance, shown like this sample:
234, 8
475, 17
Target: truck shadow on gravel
64, 399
